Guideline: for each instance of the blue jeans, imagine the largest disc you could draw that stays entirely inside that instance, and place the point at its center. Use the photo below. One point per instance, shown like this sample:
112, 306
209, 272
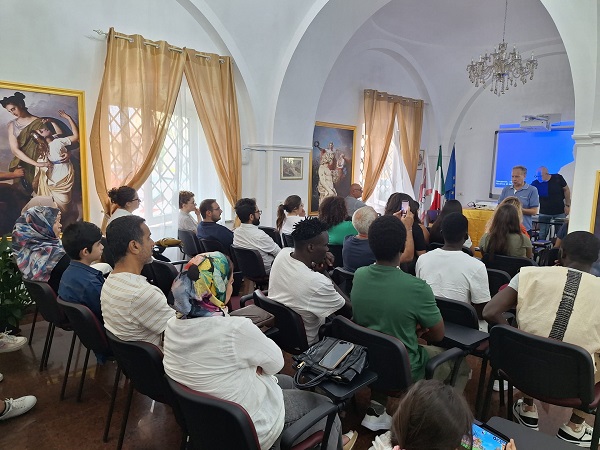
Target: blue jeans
545, 227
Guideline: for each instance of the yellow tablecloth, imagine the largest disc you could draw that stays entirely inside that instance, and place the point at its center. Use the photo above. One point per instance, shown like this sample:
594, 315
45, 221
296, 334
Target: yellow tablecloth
478, 218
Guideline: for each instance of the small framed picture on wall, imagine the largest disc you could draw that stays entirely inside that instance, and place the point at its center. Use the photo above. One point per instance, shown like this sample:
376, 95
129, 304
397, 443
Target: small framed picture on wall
290, 168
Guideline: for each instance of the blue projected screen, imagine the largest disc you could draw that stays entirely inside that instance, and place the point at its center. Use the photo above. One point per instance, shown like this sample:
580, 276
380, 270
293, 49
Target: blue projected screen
553, 149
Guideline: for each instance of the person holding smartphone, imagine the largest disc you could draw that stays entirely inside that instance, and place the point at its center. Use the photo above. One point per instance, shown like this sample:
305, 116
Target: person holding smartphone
434, 415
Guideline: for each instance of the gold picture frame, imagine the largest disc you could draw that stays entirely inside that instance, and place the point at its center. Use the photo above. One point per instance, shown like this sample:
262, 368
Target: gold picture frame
291, 168
333, 148
595, 222
71, 191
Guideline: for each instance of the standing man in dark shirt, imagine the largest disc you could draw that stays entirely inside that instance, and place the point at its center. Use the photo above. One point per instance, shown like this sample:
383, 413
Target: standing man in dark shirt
555, 198
209, 228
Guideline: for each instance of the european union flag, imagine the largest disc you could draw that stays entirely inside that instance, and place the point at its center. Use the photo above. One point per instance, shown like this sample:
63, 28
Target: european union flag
451, 178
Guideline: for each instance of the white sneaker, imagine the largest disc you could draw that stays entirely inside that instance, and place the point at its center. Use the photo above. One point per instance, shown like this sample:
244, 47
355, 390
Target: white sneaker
581, 437
528, 418
16, 407
377, 418
10, 343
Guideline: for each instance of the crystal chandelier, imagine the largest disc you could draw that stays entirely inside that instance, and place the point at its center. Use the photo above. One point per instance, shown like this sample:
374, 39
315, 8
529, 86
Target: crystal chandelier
502, 67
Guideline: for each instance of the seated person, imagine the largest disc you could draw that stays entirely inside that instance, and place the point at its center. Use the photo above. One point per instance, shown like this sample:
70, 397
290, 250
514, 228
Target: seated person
517, 204
393, 207
187, 205
452, 273
541, 295
289, 213
229, 357
386, 299
248, 235
133, 309
299, 278
435, 232
334, 214
353, 201
209, 228
356, 251
127, 200
505, 237
81, 283
430, 416
37, 247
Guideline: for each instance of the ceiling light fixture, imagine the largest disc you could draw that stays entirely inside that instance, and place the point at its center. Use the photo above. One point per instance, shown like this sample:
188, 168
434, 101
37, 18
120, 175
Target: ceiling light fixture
503, 68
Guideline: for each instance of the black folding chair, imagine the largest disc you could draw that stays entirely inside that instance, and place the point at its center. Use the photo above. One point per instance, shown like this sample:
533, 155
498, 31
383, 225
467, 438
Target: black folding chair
273, 234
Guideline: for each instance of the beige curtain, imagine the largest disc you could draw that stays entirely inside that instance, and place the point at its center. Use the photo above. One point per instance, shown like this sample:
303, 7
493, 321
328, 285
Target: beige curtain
379, 129
410, 122
210, 78
137, 96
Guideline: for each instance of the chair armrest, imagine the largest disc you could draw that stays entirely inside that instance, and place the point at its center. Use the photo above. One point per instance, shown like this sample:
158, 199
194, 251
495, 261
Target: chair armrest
294, 431
448, 355
244, 299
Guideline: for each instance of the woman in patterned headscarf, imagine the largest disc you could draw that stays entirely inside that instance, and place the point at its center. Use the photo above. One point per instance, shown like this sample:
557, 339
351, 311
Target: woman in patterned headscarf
37, 247
229, 357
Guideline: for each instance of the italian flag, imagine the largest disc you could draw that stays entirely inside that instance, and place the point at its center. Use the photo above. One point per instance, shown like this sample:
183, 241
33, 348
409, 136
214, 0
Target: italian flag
438, 184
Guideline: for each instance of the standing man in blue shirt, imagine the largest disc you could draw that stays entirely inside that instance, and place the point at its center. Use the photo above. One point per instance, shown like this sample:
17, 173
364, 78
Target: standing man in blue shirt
526, 193
81, 283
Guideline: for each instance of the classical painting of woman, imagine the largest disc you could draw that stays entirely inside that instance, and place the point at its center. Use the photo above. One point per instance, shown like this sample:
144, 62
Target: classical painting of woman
28, 111
332, 164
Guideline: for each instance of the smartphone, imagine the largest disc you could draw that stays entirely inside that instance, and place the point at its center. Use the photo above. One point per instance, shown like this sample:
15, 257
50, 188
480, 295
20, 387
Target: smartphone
336, 354
486, 438
405, 206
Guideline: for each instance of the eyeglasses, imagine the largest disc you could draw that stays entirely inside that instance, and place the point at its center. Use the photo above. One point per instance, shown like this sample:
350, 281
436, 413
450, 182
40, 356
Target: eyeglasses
136, 200
216, 209
258, 211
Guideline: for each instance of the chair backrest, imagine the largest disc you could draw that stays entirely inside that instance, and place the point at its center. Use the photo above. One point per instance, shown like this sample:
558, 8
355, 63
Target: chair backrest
189, 242
45, 299
387, 355
142, 363
249, 262
86, 325
214, 423
212, 245
288, 240
160, 274
497, 279
336, 251
343, 278
273, 234
548, 256
552, 371
432, 215
291, 336
510, 264
458, 312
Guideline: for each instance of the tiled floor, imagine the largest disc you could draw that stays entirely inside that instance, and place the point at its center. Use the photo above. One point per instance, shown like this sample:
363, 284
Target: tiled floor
53, 424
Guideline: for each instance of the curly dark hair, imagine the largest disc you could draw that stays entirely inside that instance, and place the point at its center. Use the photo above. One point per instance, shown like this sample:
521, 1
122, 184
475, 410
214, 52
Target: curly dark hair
122, 195
17, 99
387, 237
308, 229
394, 204
333, 211
435, 232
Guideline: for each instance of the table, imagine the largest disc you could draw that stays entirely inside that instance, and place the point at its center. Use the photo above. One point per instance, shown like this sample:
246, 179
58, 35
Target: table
463, 337
526, 438
478, 219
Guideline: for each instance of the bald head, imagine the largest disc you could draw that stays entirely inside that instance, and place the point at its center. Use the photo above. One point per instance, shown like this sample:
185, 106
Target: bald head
542, 174
356, 190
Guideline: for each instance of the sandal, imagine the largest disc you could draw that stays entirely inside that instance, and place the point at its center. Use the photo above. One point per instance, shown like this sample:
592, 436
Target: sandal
352, 437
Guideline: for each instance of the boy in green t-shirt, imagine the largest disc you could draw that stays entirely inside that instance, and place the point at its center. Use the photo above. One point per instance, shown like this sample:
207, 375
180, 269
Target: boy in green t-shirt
386, 299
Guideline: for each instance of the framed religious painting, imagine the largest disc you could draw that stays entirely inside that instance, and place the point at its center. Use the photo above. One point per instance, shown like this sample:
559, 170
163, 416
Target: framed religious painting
42, 151
331, 163
290, 168
595, 225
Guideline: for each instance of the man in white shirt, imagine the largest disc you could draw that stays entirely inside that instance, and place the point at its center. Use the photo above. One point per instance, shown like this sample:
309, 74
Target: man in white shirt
133, 309
560, 303
248, 235
299, 278
453, 274
187, 204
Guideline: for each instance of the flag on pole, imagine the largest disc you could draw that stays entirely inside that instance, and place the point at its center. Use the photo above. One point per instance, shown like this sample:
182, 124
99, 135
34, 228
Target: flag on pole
450, 187
424, 189
438, 184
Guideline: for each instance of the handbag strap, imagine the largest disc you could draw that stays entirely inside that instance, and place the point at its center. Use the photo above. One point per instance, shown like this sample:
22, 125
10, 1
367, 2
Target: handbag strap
309, 384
